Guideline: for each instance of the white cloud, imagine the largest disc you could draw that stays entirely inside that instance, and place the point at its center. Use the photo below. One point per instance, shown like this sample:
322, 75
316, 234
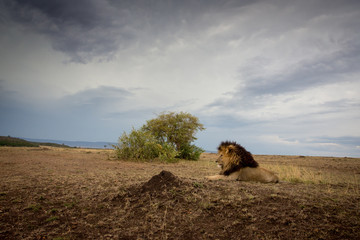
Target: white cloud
329, 144
274, 139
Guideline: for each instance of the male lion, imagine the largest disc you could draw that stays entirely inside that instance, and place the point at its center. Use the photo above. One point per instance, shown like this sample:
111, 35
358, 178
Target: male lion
238, 164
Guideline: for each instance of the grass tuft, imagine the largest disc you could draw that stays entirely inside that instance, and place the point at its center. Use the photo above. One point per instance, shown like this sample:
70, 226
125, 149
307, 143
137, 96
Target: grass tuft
51, 219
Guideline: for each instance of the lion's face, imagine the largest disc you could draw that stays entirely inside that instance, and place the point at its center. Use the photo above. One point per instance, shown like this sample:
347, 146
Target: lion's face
224, 158
219, 161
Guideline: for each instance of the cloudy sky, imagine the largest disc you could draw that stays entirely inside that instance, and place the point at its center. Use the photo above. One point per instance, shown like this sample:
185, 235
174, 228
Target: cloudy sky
277, 76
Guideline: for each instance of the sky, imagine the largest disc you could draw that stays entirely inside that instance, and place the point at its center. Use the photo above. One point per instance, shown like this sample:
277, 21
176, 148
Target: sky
277, 76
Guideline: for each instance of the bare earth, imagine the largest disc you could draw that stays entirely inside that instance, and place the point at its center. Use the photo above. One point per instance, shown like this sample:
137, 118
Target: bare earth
54, 193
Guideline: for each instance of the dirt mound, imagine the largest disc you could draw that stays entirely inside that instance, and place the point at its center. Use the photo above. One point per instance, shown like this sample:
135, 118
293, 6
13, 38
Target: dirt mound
163, 181
158, 187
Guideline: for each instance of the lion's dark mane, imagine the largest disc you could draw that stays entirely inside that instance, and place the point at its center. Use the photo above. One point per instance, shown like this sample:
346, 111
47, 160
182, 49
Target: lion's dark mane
246, 159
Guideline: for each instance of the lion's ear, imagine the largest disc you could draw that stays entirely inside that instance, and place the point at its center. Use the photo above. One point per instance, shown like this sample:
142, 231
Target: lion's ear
231, 149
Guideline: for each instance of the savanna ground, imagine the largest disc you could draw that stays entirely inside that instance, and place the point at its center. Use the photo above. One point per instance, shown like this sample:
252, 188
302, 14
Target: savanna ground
56, 193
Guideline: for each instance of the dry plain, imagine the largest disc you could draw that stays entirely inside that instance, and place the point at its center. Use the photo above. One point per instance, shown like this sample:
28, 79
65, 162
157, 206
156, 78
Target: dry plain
58, 193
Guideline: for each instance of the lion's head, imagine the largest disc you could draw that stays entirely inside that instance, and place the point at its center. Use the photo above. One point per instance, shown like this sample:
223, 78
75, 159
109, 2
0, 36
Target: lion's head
232, 157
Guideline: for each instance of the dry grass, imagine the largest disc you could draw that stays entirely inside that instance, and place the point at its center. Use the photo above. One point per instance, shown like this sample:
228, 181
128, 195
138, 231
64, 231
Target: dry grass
327, 171
50, 193
307, 175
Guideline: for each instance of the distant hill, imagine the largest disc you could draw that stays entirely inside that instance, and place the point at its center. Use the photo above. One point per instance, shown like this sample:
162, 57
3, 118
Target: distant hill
30, 142
18, 142
80, 144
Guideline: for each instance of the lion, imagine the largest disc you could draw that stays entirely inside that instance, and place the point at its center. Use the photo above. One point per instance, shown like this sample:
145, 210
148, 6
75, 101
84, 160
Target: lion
238, 164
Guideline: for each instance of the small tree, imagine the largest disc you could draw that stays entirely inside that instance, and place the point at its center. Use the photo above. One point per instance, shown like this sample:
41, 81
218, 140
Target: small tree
178, 130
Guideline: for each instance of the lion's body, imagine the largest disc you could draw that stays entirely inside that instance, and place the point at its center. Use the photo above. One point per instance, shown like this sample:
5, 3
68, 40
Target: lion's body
256, 174
238, 164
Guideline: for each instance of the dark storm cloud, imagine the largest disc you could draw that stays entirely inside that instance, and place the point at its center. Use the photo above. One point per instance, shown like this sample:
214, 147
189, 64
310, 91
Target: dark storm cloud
82, 29
87, 29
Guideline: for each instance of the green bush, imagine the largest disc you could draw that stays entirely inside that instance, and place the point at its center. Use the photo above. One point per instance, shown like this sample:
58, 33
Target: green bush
190, 152
168, 153
142, 145
167, 137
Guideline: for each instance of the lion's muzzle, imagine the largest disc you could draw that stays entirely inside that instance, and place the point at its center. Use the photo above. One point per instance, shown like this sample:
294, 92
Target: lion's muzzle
220, 162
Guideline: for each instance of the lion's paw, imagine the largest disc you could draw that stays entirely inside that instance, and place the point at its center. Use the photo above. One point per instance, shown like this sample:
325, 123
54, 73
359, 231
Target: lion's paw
214, 177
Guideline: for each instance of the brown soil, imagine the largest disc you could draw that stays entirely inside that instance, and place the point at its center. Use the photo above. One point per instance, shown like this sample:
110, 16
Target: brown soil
54, 193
